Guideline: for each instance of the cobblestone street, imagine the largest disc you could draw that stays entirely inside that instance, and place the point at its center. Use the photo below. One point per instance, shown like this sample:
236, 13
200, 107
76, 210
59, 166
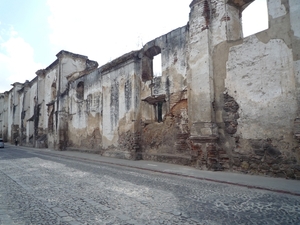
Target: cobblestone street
36, 188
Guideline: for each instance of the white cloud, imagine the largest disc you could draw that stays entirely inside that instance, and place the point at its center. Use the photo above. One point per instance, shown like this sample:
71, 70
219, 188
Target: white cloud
16, 60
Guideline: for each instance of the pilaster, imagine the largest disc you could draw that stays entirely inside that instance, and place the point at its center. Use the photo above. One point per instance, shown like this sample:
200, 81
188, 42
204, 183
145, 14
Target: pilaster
211, 22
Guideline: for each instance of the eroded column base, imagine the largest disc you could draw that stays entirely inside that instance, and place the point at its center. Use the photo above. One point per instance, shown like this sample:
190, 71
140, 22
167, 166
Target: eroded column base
205, 152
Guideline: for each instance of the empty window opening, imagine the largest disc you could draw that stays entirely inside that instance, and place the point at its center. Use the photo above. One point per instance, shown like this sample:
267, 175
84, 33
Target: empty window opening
80, 90
159, 108
255, 18
157, 66
151, 63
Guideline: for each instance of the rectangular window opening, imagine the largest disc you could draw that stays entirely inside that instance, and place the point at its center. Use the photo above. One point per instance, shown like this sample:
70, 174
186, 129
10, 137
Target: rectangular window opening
157, 66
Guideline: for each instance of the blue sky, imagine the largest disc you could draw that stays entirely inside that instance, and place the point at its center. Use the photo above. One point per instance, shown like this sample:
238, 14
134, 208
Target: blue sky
29, 20
32, 32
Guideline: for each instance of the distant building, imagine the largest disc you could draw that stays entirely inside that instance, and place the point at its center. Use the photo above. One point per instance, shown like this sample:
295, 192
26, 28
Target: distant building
221, 102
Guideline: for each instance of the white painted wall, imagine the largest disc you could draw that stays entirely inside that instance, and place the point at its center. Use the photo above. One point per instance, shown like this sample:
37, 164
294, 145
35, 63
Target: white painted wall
50, 78
261, 79
295, 16
110, 127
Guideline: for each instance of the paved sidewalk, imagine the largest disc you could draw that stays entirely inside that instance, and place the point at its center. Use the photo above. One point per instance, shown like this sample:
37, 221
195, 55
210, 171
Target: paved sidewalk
259, 182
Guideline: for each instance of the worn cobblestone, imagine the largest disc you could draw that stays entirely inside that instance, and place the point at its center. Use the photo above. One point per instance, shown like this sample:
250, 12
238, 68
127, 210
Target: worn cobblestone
39, 189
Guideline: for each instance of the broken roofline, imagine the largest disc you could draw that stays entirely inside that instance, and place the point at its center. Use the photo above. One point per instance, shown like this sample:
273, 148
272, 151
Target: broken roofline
241, 4
133, 55
58, 55
137, 54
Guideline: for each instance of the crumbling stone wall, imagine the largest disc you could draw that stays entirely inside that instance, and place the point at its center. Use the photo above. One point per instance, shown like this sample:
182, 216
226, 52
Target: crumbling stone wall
256, 104
120, 132
101, 116
164, 105
167, 141
85, 113
4, 116
266, 157
222, 102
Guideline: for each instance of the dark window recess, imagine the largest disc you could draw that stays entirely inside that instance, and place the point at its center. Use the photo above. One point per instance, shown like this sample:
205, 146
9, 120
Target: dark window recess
53, 91
80, 90
50, 119
159, 112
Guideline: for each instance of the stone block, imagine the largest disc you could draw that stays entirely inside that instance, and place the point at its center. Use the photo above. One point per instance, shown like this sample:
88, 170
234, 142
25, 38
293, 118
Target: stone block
245, 165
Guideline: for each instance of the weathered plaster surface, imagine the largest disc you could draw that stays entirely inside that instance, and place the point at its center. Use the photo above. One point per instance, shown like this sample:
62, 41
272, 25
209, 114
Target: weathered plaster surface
276, 8
221, 103
165, 139
260, 77
117, 102
295, 17
297, 79
4, 115
297, 72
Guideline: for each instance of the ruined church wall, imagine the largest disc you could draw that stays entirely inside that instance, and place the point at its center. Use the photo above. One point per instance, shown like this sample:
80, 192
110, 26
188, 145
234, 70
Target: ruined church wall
295, 39
9, 115
173, 47
22, 113
85, 113
174, 66
48, 111
48, 90
118, 114
221, 102
32, 103
256, 98
69, 66
13, 113
166, 139
16, 106
41, 94
2, 111
102, 109
32, 97
4, 115
25, 114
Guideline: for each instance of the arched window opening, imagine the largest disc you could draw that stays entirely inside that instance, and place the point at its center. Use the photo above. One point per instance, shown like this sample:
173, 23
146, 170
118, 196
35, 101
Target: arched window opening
151, 63
255, 18
80, 90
